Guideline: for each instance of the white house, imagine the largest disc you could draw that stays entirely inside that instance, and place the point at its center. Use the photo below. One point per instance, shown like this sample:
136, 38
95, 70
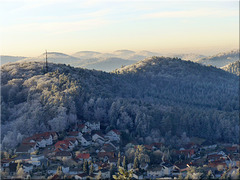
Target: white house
98, 138
105, 174
52, 169
86, 140
130, 166
113, 135
155, 172
43, 139
37, 157
93, 125
84, 128
75, 134
167, 168
25, 148
81, 176
27, 168
65, 170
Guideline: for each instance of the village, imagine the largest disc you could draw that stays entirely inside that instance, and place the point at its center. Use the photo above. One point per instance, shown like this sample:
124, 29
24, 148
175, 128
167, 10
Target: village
85, 151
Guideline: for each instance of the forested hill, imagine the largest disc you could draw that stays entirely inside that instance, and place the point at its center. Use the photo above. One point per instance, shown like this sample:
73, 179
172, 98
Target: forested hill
155, 99
233, 68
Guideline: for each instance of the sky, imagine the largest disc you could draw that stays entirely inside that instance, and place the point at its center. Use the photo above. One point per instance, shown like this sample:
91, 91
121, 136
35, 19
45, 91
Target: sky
29, 27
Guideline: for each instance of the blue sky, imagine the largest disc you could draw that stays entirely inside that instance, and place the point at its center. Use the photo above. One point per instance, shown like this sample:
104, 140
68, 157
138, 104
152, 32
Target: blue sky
28, 27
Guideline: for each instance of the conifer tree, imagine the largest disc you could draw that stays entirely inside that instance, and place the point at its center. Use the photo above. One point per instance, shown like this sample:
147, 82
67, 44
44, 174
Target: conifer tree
85, 164
124, 164
135, 164
91, 169
119, 160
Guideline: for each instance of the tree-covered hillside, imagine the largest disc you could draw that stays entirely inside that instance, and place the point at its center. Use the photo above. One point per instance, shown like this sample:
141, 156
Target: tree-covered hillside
155, 99
233, 68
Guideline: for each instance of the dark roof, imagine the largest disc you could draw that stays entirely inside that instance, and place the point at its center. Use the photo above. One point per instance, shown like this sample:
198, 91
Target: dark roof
23, 148
167, 164
22, 156
83, 174
87, 137
63, 153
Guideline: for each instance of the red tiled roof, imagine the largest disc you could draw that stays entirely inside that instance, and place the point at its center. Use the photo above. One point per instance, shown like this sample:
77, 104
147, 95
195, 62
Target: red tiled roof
232, 148
158, 145
72, 139
39, 137
103, 154
55, 176
64, 144
81, 126
148, 147
217, 163
186, 152
116, 131
74, 133
214, 156
83, 156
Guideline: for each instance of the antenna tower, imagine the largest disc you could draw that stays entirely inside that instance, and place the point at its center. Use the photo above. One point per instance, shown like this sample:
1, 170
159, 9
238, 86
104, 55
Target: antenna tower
46, 62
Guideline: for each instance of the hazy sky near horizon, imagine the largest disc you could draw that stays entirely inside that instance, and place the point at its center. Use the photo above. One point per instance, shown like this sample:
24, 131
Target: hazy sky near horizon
28, 27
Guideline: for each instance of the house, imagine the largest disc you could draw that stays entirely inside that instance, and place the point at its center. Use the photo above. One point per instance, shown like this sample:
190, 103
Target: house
36, 159
73, 141
86, 140
64, 145
108, 147
52, 169
130, 166
167, 168
144, 166
149, 147
137, 175
232, 149
63, 154
81, 176
105, 174
113, 135
221, 164
27, 168
214, 157
104, 156
113, 160
181, 167
74, 171
186, 152
157, 145
5, 162
75, 134
83, 128
25, 148
42, 139
83, 156
65, 170
22, 158
155, 172
93, 125
98, 137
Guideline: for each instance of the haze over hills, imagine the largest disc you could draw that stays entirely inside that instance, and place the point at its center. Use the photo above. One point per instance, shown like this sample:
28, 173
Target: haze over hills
111, 61
221, 59
157, 98
7, 59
